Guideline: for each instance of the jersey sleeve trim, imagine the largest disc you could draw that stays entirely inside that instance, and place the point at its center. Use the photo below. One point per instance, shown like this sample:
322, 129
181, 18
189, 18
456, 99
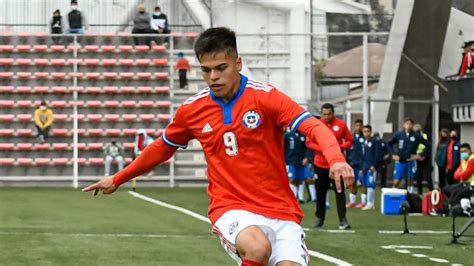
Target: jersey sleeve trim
298, 120
172, 144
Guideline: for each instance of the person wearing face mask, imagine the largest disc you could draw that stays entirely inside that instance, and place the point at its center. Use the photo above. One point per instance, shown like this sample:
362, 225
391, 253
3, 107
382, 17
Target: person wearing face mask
43, 121
113, 151
76, 20
142, 25
452, 157
57, 26
440, 157
159, 24
465, 172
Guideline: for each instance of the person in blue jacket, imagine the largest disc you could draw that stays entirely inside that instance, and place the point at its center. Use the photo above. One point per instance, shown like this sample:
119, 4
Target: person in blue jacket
405, 156
354, 158
368, 171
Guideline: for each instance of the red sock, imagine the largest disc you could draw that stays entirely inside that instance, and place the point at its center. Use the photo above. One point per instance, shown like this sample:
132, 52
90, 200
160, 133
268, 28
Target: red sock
251, 263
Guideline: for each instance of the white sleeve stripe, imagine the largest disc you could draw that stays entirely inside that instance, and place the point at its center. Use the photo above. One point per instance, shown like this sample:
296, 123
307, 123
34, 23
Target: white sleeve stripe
298, 120
172, 144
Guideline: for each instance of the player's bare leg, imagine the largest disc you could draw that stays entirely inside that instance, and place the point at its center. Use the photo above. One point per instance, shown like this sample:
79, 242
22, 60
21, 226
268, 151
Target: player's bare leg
252, 244
396, 183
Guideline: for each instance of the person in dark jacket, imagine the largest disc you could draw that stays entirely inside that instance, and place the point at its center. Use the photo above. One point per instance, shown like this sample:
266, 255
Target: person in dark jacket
354, 158
76, 20
424, 167
453, 158
159, 24
383, 159
56, 26
405, 158
142, 25
368, 170
440, 157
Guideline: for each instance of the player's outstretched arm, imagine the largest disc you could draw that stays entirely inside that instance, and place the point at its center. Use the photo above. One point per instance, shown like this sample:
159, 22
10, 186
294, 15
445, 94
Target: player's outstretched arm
153, 155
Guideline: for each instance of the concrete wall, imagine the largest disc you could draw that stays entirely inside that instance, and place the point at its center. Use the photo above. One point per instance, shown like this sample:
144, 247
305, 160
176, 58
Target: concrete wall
467, 133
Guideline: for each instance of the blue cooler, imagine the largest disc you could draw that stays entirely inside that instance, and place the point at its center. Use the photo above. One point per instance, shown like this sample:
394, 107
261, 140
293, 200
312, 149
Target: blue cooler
392, 198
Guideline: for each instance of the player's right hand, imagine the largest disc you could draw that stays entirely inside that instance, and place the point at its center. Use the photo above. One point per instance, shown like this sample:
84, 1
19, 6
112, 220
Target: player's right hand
342, 172
106, 184
396, 157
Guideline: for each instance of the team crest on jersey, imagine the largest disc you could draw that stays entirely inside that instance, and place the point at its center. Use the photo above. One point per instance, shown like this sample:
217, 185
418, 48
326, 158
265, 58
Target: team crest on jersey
335, 128
412, 139
232, 227
251, 119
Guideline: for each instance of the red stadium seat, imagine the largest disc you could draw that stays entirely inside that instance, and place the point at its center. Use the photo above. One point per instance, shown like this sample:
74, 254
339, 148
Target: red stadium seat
95, 146
92, 75
58, 75
128, 160
23, 89
162, 89
111, 104
59, 132
150, 131
164, 117
79, 75
142, 62
6, 61
59, 89
7, 146
24, 146
79, 89
124, 34
96, 161
24, 103
108, 48
41, 147
80, 131
125, 48
73, 61
94, 132
143, 75
91, 48
23, 75
80, 161
7, 132
160, 62
110, 75
58, 62
163, 104
24, 132
129, 145
57, 48
40, 62
80, 146
126, 75
177, 34
125, 62
60, 117
41, 89
42, 161
79, 103
159, 48
7, 103
129, 117
40, 47
94, 104
24, 117
23, 47
94, 117
91, 62
129, 104
41, 75
146, 104
130, 131
7, 161
60, 146
6, 48
191, 34
93, 90
142, 48
6, 117
112, 117
127, 89
6, 75
147, 117
111, 89
145, 89
23, 61
60, 161
112, 132
58, 104
71, 48
6, 89
25, 161
161, 75
109, 62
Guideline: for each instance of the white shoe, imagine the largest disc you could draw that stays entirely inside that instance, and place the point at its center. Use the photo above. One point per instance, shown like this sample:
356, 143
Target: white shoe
369, 206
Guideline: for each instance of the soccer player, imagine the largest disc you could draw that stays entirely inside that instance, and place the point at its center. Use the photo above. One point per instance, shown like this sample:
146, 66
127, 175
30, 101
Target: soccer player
354, 158
322, 169
239, 123
405, 160
297, 165
368, 172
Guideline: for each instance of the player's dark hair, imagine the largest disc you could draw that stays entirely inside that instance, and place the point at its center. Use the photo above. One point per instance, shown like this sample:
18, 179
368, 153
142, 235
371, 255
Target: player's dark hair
409, 119
328, 106
465, 145
368, 127
157, 8
358, 121
216, 40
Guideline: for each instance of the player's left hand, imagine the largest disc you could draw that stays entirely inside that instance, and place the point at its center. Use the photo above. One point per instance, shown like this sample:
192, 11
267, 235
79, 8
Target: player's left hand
342, 171
106, 184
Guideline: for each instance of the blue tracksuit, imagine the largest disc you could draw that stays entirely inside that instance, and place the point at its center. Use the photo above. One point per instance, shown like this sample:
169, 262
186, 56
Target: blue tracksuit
382, 150
295, 152
407, 144
369, 159
354, 154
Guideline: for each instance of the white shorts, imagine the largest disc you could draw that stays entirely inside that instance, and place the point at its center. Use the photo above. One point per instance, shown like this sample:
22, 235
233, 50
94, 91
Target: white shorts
287, 238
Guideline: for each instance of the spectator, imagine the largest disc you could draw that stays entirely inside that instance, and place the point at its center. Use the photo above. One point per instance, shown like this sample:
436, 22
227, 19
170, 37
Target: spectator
183, 66
405, 159
465, 172
43, 121
113, 151
159, 24
441, 158
368, 170
141, 141
354, 158
57, 26
344, 138
452, 157
142, 25
383, 159
467, 63
76, 20
423, 163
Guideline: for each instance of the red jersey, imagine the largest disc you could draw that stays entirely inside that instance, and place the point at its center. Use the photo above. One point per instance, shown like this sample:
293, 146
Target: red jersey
243, 144
182, 63
449, 156
467, 62
343, 136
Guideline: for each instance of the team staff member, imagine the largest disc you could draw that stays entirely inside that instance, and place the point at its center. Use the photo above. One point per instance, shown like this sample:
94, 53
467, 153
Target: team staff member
465, 172
354, 158
344, 138
407, 141
383, 159
452, 157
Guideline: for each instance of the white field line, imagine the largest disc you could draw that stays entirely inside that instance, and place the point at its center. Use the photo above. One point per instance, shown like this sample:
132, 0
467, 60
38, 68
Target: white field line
439, 260
404, 250
406, 247
419, 255
102, 235
205, 219
332, 231
396, 232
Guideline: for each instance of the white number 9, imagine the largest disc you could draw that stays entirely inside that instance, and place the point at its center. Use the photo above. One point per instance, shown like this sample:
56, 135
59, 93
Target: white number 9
231, 143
